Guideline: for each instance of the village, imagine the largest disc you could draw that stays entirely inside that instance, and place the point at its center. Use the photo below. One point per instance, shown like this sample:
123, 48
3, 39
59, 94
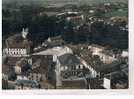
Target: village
63, 66
81, 56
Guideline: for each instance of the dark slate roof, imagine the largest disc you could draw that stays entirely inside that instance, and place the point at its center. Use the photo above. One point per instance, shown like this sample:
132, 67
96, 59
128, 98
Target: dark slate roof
107, 68
114, 66
69, 59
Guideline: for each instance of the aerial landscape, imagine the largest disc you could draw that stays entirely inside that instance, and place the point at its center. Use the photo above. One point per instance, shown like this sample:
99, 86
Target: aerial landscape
65, 44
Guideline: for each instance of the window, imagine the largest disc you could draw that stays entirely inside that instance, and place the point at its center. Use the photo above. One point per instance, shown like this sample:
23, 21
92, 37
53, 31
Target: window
77, 67
81, 66
62, 68
66, 67
73, 67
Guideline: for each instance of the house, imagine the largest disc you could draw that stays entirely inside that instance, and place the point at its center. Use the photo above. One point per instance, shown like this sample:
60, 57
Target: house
8, 67
108, 68
119, 79
110, 76
96, 49
75, 17
56, 40
69, 68
18, 65
70, 65
105, 55
40, 67
22, 66
54, 53
50, 43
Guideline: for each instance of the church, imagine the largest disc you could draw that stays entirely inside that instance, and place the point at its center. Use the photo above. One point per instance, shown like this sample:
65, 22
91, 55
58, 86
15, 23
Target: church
17, 45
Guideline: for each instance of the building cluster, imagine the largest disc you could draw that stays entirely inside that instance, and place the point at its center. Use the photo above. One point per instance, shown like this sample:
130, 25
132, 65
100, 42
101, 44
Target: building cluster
60, 67
106, 64
59, 64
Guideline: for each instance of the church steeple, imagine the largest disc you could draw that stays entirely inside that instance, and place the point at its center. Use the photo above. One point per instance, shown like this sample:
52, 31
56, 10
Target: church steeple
24, 33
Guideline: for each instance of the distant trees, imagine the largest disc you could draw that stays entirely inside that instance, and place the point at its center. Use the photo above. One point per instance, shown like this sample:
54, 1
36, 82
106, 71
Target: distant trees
33, 17
42, 26
11, 21
108, 34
